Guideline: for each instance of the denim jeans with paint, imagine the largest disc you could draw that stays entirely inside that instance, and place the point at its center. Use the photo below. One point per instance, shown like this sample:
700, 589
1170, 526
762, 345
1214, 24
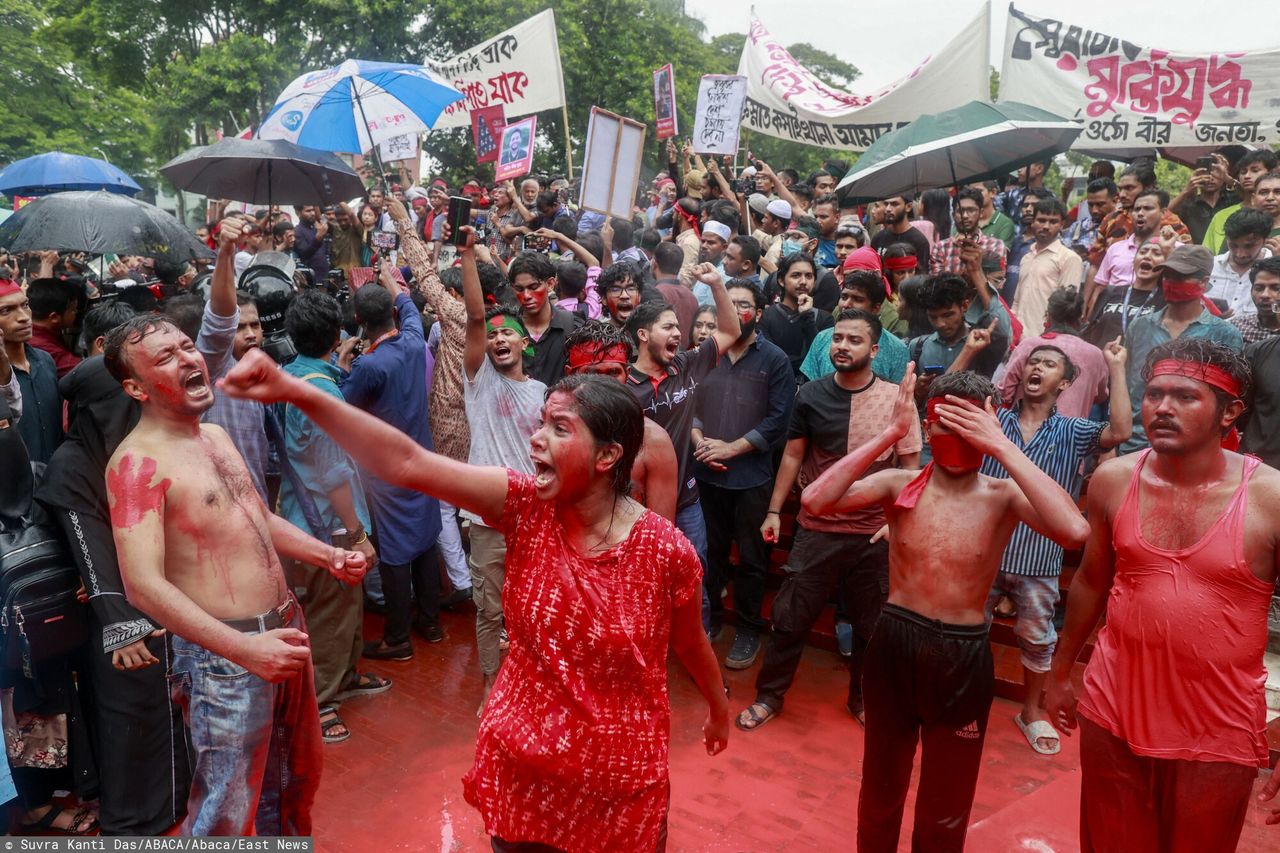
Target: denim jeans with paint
257, 745
691, 523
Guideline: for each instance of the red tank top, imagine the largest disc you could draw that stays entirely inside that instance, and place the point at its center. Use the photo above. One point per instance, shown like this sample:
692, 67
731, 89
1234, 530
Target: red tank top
1177, 672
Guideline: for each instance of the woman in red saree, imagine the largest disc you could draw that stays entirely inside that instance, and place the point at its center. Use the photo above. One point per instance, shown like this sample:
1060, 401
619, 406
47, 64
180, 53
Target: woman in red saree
572, 748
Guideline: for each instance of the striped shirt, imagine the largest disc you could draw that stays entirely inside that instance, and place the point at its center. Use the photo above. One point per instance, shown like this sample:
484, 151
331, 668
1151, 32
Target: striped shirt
1058, 448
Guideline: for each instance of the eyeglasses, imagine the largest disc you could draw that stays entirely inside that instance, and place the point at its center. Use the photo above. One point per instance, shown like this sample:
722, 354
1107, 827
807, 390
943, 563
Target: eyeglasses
619, 289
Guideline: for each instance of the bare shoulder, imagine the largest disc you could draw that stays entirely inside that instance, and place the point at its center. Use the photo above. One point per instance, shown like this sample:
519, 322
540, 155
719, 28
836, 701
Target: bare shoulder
1264, 486
655, 437
216, 434
894, 479
135, 451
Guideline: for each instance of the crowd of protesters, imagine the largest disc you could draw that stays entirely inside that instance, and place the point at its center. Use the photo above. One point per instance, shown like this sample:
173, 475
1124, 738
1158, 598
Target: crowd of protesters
592, 431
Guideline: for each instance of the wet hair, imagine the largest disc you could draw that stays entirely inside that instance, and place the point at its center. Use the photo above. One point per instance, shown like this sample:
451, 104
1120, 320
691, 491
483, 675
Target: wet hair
643, 317
749, 247
1162, 197
944, 291
1247, 221
1051, 207
1268, 265
757, 295
872, 321
1069, 367
870, 282
785, 264
186, 312
612, 414
1065, 307
505, 311
374, 307
115, 348
936, 208
597, 333
668, 258
314, 322
535, 264
49, 296
1203, 351
965, 384
103, 318
572, 278
1106, 185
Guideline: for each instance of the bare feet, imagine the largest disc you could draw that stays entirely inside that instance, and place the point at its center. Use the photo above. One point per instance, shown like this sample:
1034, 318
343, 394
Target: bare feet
484, 696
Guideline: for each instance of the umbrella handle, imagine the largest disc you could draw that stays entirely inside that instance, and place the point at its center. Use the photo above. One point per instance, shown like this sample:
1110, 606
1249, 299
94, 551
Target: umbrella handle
377, 160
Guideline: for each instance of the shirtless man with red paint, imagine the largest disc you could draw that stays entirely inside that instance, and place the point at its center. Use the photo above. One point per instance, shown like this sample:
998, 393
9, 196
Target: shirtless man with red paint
599, 348
928, 675
197, 551
1183, 558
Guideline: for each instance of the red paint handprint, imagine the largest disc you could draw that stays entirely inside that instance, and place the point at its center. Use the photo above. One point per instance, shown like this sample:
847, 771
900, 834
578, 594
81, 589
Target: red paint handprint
132, 495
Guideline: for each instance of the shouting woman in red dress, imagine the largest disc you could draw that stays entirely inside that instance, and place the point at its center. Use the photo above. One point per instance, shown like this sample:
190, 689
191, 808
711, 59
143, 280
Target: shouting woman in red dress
572, 749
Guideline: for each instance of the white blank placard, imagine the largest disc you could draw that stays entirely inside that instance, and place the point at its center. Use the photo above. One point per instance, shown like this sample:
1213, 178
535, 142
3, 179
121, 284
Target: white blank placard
611, 168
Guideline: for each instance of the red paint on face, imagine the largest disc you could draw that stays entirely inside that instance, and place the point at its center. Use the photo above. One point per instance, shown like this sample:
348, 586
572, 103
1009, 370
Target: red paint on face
133, 495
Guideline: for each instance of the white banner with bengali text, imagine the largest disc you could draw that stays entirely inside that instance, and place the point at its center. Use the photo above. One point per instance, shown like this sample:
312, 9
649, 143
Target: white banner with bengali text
1130, 96
519, 69
786, 100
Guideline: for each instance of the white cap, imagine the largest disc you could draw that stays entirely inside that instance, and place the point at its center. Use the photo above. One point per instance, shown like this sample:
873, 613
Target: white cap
780, 209
719, 229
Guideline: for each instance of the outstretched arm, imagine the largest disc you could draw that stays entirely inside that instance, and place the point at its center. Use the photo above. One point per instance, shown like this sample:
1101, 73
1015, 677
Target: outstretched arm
1120, 426
728, 327
473, 354
382, 449
1037, 501
839, 489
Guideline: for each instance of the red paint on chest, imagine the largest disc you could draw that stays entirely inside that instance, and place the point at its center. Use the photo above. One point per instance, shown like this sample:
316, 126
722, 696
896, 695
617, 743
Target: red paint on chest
133, 495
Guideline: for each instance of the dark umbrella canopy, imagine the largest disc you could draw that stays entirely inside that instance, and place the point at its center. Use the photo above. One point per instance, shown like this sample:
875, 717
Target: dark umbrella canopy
100, 223
59, 172
264, 171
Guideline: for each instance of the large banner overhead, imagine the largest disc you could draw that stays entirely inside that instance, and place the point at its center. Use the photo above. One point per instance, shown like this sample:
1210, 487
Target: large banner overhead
1130, 96
518, 69
786, 100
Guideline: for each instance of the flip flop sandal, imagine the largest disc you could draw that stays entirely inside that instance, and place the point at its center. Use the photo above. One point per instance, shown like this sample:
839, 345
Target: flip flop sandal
1037, 729
334, 721
45, 823
367, 684
754, 719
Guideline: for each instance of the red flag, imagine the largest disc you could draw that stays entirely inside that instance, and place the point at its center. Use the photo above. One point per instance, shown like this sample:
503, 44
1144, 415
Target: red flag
486, 131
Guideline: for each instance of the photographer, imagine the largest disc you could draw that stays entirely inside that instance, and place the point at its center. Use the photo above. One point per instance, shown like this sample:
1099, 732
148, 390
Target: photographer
311, 240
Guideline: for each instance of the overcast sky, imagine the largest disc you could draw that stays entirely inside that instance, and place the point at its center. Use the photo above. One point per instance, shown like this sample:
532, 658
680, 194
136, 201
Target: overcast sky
887, 39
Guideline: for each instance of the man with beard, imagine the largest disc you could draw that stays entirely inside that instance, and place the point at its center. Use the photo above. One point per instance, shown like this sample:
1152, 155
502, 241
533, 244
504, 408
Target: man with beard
311, 240
1100, 200
898, 229
1184, 277
1146, 213
967, 211
715, 241
197, 550
532, 281
833, 416
1172, 716
792, 323
1264, 289
1133, 182
665, 380
1032, 563
600, 349
1022, 241
743, 407
1047, 266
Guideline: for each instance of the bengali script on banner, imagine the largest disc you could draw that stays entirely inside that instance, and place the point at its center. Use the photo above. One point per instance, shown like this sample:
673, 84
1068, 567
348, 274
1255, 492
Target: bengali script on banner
518, 69
786, 100
1130, 96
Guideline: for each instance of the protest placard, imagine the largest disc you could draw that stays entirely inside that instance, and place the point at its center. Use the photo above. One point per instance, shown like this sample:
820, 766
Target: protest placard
399, 148
611, 165
719, 115
664, 102
486, 131
515, 151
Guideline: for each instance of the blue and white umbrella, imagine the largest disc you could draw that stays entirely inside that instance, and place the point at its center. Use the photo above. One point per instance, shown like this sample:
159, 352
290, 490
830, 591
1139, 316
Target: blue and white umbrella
353, 107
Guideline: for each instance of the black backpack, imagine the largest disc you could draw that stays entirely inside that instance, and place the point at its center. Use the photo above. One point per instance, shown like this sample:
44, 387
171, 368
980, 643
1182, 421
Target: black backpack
40, 616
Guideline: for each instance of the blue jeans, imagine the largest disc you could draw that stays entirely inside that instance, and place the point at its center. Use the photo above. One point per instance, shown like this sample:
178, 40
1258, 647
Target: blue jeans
690, 522
257, 745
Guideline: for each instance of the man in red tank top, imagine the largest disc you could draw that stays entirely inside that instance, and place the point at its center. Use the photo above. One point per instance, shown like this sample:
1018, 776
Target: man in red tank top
1183, 559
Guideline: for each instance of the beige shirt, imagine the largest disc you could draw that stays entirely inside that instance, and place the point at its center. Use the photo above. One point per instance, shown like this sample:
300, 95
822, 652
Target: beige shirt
1042, 272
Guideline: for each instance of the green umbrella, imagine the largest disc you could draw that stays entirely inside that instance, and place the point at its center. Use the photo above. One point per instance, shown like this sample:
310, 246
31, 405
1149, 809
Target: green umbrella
974, 142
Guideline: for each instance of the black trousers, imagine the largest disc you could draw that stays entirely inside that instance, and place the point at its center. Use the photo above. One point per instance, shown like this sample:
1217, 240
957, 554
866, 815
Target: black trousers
928, 682
735, 515
820, 563
404, 585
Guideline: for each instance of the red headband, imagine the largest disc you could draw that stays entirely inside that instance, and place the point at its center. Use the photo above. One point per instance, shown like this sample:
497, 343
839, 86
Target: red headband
8, 287
932, 404
906, 262
585, 355
690, 218
1215, 377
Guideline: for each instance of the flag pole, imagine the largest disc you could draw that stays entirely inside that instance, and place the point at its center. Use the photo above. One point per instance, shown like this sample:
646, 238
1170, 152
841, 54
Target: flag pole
568, 144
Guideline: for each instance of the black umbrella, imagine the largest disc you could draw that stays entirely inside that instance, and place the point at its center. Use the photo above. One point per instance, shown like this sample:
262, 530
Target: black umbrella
100, 223
264, 171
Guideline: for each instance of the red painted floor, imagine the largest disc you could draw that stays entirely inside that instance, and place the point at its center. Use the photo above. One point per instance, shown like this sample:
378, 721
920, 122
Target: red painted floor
791, 786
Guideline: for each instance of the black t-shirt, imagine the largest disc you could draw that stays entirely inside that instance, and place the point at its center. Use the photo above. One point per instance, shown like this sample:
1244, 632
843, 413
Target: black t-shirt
885, 238
793, 333
669, 403
1108, 319
1261, 431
